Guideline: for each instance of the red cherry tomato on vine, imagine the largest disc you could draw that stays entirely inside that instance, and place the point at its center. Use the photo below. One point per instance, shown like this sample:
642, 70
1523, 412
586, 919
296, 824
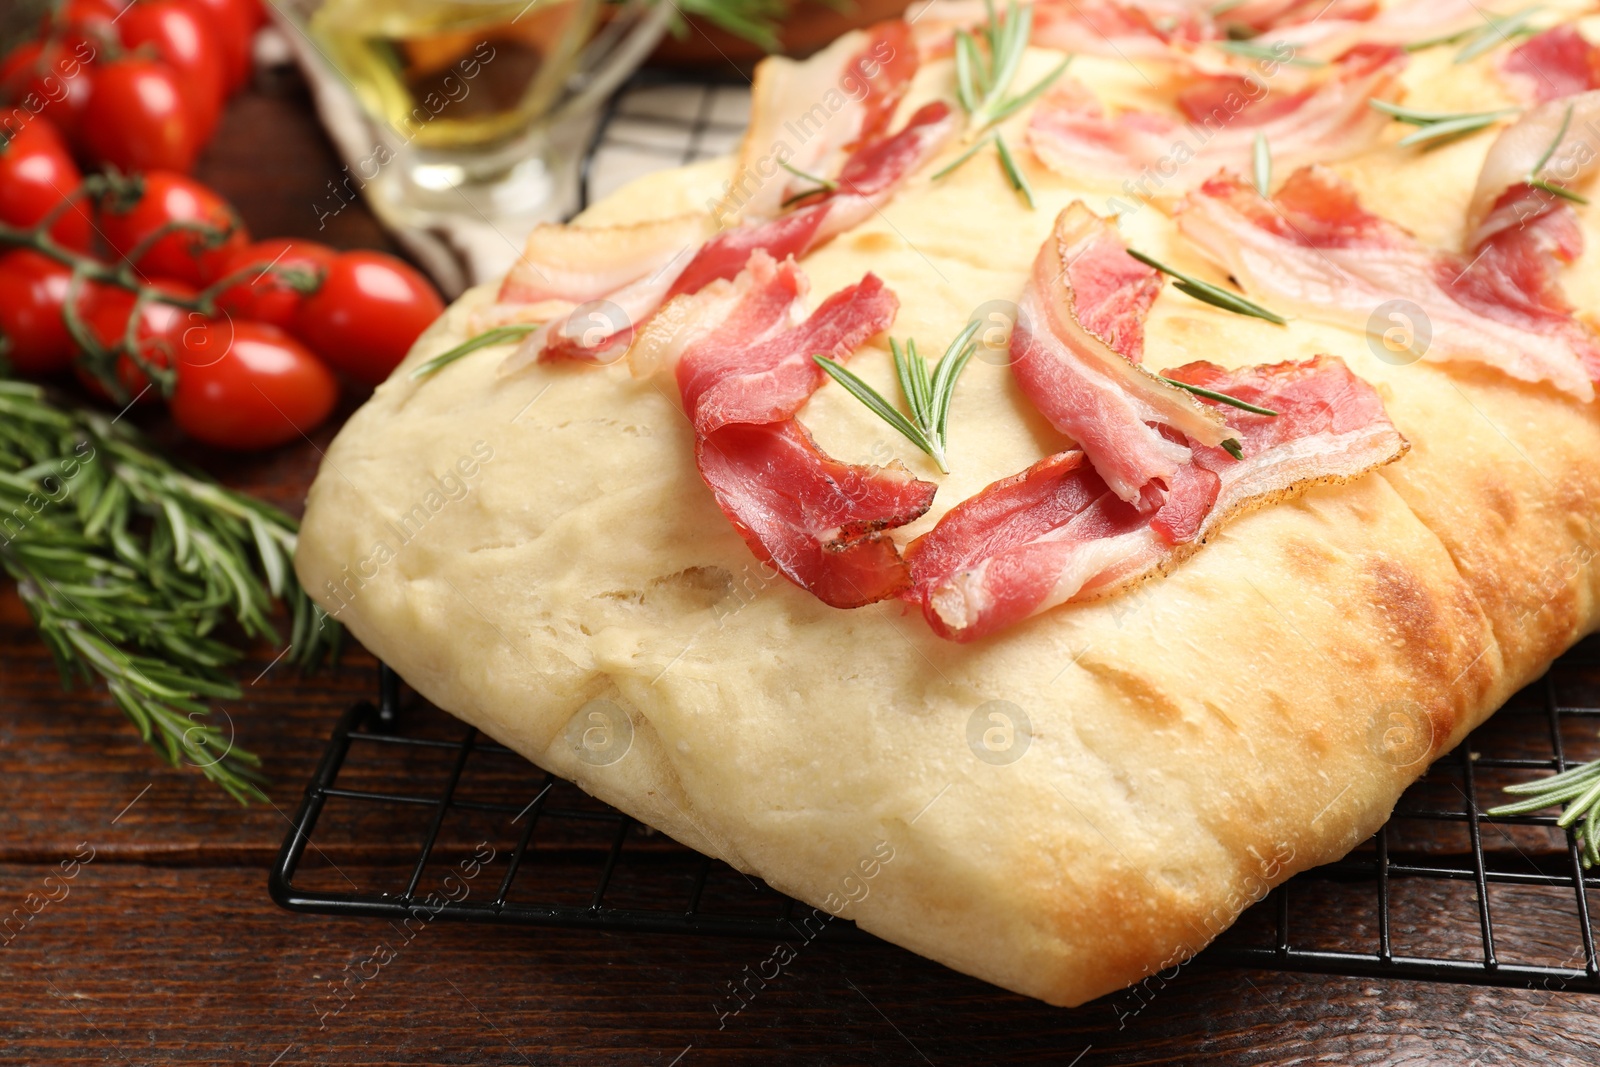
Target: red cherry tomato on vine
186, 39
265, 296
36, 174
235, 24
136, 117
33, 291
370, 309
50, 78
106, 309
91, 20
248, 385
168, 197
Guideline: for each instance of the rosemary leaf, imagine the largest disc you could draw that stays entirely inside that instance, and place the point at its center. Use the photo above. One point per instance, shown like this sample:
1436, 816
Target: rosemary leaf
1207, 293
1497, 31
1266, 53
1558, 190
962, 158
498, 336
1232, 447
1221, 398
1435, 126
821, 185
1016, 103
1013, 175
968, 67
1561, 135
874, 402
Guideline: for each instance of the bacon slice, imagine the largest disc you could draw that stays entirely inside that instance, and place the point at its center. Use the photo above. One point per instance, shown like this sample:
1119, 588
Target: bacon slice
1319, 33
867, 180
579, 263
1263, 15
1315, 250
1056, 533
1115, 28
1079, 330
1503, 199
1072, 135
823, 523
1557, 63
752, 370
810, 113
740, 351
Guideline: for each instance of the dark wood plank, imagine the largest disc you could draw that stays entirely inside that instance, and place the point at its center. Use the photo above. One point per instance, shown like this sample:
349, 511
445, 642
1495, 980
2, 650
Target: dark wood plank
162, 965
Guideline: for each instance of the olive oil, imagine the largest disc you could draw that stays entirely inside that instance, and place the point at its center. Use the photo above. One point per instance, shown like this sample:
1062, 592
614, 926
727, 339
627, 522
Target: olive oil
456, 73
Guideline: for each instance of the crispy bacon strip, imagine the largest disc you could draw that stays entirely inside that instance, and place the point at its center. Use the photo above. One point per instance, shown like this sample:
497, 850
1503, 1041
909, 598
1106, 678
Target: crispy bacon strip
1072, 135
1503, 199
1079, 331
1056, 532
1557, 63
811, 113
740, 351
1316, 251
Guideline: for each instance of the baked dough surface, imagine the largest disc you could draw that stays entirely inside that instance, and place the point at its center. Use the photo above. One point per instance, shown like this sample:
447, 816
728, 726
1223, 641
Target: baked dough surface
534, 550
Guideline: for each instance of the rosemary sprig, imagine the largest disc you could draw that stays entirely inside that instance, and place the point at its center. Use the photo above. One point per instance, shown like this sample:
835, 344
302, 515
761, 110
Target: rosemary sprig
1498, 30
1578, 788
1221, 398
1545, 184
498, 336
1261, 165
129, 565
1436, 126
1207, 293
983, 81
927, 395
1268, 53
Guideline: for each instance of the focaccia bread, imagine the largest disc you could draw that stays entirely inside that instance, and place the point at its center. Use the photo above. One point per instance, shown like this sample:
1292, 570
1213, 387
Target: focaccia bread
1063, 807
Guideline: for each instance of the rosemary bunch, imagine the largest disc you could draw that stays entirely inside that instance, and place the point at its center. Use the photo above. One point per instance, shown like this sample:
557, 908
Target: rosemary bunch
1579, 789
129, 567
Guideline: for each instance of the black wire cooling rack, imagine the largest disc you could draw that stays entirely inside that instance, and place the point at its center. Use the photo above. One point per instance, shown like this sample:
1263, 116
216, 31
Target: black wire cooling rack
1443, 892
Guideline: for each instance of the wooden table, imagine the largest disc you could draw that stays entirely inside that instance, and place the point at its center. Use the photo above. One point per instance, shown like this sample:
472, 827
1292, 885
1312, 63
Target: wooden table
166, 948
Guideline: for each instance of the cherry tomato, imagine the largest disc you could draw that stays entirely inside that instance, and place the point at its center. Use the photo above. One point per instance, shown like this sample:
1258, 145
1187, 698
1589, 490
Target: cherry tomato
370, 309
169, 197
105, 310
186, 39
136, 118
36, 174
265, 296
33, 291
51, 78
92, 20
235, 22
256, 13
248, 385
